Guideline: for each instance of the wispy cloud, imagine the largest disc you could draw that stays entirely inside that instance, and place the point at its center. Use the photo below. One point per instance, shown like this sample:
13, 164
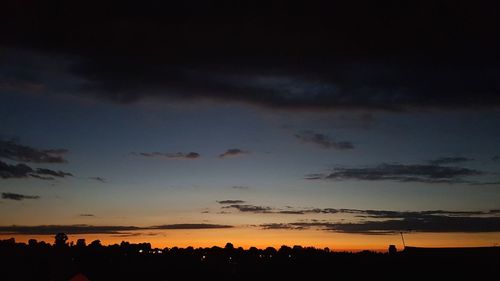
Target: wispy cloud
317, 176
292, 212
18, 197
389, 222
14, 171
86, 215
278, 226
99, 179
166, 155
190, 226
359, 213
93, 229
134, 234
59, 174
323, 140
8, 171
231, 202
11, 149
402, 173
68, 229
233, 152
249, 208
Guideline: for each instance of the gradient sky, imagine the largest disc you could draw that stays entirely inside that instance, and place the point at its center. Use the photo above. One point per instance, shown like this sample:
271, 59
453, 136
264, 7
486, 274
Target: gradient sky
331, 125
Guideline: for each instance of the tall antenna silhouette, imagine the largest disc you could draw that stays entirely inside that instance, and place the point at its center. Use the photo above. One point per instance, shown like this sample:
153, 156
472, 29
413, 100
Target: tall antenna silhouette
403, 238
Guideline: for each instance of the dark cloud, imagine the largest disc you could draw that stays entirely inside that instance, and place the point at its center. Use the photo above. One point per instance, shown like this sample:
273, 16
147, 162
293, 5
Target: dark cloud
250, 208
14, 171
10, 149
327, 210
287, 211
401, 173
289, 226
277, 226
432, 55
323, 140
230, 201
412, 215
427, 224
128, 234
496, 158
68, 229
191, 226
359, 213
41, 177
269, 210
292, 212
59, 174
99, 179
92, 229
8, 171
192, 155
177, 155
296, 225
457, 213
449, 160
18, 197
393, 222
232, 152
302, 211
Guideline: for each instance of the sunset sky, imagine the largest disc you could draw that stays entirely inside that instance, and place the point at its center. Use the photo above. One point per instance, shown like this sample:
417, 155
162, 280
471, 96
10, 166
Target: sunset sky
327, 125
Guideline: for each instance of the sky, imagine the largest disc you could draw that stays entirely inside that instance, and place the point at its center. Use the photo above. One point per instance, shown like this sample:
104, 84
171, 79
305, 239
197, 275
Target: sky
325, 124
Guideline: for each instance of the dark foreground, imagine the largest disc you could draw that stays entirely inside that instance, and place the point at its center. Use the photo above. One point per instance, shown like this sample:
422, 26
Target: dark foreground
41, 261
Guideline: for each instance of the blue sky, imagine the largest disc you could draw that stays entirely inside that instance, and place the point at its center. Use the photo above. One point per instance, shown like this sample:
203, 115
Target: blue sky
101, 137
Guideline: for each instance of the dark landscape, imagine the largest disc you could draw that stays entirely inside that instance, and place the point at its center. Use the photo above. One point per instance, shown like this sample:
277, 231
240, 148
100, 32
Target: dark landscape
125, 261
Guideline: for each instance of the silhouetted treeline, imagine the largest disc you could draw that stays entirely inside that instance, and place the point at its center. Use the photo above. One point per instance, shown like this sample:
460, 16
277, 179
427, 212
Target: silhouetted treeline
61, 261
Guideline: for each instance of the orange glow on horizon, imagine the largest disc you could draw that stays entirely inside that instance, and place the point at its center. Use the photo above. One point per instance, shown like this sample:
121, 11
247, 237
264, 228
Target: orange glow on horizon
276, 238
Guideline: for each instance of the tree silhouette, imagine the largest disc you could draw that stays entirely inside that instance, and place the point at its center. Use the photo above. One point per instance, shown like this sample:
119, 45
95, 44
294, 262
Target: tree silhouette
60, 239
32, 242
128, 261
229, 246
81, 243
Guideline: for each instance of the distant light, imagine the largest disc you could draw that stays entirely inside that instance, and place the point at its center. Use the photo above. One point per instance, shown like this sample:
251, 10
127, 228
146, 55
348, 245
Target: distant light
140, 251
289, 256
160, 251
